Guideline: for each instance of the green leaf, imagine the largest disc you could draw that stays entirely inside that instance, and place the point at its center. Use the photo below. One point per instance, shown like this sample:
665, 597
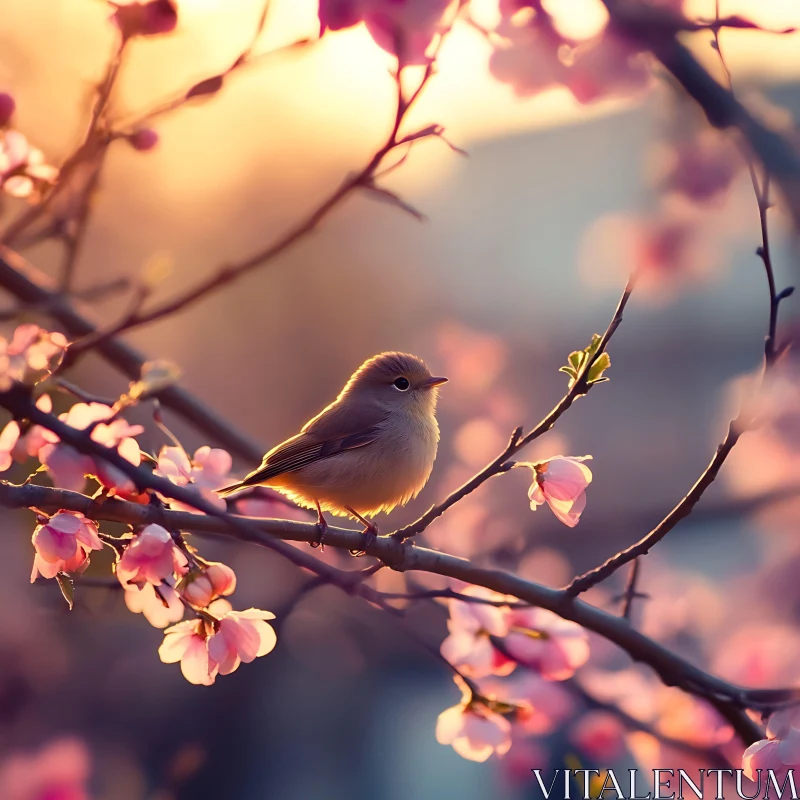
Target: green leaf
596, 370
570, 371
579, 358
67, 588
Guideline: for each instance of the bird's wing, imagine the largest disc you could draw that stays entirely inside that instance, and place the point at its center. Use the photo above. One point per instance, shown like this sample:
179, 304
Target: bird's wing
329, 433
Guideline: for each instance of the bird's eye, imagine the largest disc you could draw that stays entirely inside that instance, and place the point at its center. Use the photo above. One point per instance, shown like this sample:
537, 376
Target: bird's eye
401, 384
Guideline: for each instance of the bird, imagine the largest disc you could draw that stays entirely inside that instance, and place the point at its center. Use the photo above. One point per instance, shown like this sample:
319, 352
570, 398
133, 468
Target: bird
370, 450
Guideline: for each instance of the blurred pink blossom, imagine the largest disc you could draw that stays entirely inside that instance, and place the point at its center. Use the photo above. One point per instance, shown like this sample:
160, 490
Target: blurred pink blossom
542, 705
527, 55
469, 647
473, 731
690, 719
780, 751
30, 350
404, 28
532, 55
22, 167
63, 543
7, 107
669, 250
215, 580
144, 19
16, 446
773, 442
608, 65
160, 607
58, 771
207, 471
242, 637
151, 557
560, 482
702, 167
541, 640
600, 735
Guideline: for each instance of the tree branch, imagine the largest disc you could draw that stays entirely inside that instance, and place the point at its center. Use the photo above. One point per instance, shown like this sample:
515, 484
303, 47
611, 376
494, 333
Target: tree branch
672, 669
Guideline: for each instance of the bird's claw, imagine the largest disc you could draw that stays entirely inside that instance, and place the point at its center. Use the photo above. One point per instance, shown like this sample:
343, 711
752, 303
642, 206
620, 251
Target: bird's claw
322, 529
370, 535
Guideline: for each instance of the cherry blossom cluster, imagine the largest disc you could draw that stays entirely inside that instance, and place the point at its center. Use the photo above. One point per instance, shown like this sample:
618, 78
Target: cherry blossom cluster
162, 575
488, 642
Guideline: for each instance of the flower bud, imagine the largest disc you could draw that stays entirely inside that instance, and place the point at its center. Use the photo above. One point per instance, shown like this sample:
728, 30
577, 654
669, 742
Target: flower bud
222, 578
144, 139
7, 107
145, 19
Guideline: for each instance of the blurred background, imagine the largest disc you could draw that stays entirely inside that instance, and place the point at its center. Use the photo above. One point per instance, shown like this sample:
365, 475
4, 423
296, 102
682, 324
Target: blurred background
526, 248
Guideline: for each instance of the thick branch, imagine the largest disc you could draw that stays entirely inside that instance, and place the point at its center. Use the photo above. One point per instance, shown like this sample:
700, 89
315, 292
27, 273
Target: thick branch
673, 669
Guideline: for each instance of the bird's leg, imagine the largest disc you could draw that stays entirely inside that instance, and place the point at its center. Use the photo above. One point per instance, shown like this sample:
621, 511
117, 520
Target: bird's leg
322, 525
370, 532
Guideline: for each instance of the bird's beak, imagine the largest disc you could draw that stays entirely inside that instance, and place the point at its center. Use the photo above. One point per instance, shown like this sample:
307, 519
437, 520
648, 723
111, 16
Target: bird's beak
431, 382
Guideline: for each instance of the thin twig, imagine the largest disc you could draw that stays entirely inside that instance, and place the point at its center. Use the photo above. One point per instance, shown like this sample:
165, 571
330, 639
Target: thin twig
226, 274
737, 426
501, 463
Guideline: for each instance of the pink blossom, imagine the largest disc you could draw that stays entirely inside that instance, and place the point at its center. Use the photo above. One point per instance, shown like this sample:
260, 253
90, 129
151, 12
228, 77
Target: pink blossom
145, 19
541, 640
144, 139
58, 771
780, 751
160, 607
151, 557
528, 55
404, 28
609, 65
541, 705
202, 587
20, 446
469, 646
239, 636
600, 735
533, 56
186, 642
473, 731
8, 443
242, 636
206, 472
703, 167
668, 250
22, 167
7, 107
68, 468
560, 482
31, 349
63, 543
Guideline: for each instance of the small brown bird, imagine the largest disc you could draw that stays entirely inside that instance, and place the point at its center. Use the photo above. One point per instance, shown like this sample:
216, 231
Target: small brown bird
370, 450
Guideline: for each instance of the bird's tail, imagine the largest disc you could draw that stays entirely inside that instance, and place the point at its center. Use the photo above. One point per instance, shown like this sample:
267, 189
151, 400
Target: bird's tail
234, 487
